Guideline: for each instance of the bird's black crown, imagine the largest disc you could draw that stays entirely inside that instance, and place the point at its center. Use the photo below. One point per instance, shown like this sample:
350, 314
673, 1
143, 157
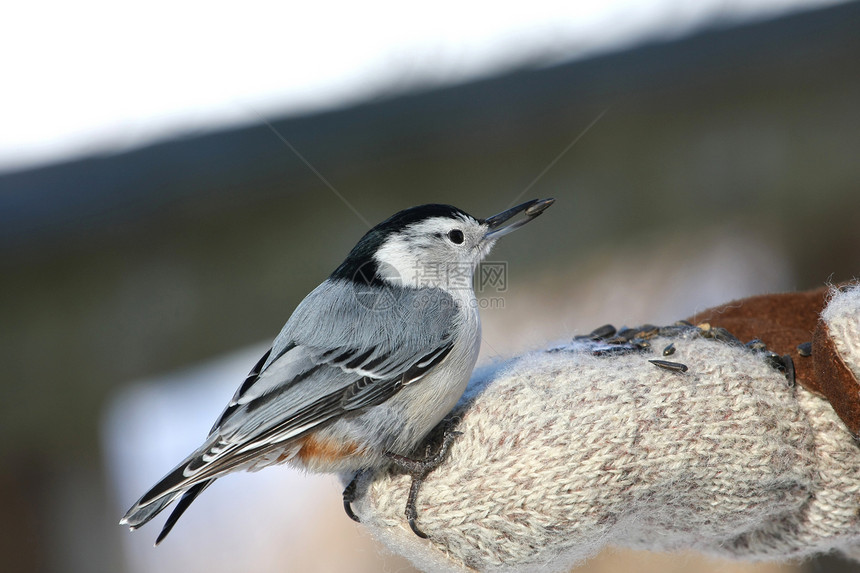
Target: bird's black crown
360, 265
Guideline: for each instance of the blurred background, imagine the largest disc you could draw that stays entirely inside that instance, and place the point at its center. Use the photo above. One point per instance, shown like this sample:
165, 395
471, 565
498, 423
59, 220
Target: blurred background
174, 178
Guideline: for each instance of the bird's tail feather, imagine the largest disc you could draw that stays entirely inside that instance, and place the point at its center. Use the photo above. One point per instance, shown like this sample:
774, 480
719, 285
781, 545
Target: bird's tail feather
142, 512
162, 494
139, 514
189, 479
189, 496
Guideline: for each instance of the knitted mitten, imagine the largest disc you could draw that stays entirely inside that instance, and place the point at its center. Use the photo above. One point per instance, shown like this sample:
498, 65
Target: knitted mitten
567, 450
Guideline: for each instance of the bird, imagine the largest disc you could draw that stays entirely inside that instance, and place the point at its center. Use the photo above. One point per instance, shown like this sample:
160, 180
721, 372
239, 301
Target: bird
367, 365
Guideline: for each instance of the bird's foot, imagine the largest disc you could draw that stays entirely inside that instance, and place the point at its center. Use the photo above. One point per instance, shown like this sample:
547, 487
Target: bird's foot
349, 496
419, 470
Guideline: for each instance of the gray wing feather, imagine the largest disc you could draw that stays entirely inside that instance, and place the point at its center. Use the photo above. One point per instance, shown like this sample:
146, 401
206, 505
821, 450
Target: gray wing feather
339, 314
332, 341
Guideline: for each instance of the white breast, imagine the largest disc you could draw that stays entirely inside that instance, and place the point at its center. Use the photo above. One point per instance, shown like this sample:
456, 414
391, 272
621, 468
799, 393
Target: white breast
431, 399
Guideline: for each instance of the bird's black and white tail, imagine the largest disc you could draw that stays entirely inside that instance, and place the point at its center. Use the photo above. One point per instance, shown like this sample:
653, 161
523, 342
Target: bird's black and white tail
193, 475
162, 495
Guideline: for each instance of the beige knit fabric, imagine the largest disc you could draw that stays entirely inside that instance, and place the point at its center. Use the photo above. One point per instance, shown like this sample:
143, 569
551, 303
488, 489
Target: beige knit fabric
563, 453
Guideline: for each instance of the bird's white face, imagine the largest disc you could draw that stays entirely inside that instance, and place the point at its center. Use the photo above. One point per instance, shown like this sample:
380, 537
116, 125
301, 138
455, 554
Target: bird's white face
438, 251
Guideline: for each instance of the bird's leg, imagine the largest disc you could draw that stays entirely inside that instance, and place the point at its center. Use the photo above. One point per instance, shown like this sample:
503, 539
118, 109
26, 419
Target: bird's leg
419, 470
349, 496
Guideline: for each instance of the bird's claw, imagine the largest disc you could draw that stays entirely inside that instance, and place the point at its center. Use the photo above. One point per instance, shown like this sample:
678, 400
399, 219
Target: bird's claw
415, 529
419, 470
349, 497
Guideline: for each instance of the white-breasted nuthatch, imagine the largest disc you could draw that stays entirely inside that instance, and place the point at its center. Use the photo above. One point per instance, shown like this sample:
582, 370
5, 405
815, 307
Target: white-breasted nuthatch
367, 365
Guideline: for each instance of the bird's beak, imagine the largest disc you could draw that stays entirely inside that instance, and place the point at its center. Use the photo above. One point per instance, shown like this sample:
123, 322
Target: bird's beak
532, 209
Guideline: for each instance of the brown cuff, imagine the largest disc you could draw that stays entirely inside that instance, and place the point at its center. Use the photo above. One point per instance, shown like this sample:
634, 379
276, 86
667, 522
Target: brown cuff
838, 382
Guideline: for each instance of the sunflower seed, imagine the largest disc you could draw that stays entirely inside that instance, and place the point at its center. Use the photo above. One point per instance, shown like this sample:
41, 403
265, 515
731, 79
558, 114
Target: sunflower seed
604, 331
627, 334
673, 366
674, 330
647, 331
724, 335
789, 370
775, 360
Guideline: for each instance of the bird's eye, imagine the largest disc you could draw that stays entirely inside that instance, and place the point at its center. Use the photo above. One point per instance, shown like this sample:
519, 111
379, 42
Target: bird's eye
456, 236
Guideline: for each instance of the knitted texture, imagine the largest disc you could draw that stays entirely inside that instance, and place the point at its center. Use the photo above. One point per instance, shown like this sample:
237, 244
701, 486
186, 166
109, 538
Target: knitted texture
564, 452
